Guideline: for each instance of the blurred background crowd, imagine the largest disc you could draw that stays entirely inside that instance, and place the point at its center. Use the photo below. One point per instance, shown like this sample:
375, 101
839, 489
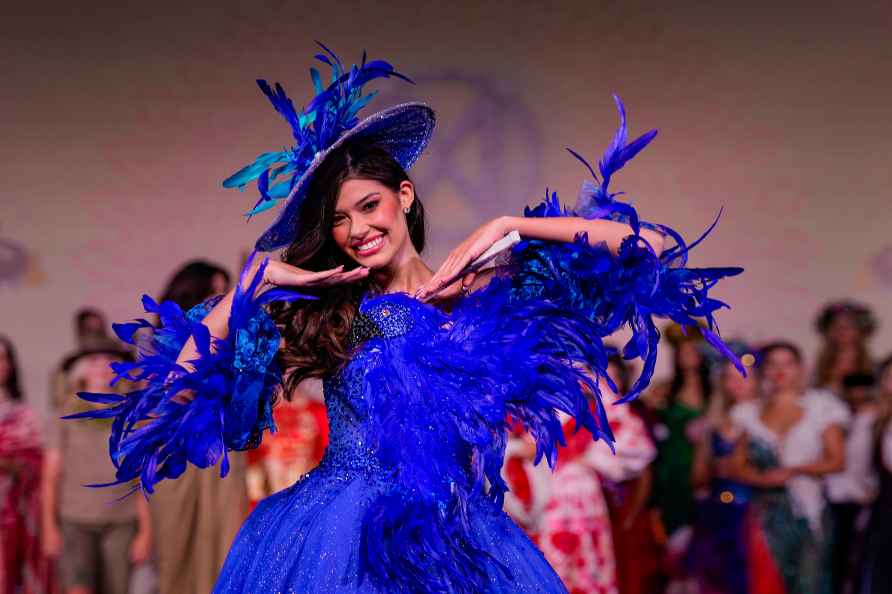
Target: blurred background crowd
772, 482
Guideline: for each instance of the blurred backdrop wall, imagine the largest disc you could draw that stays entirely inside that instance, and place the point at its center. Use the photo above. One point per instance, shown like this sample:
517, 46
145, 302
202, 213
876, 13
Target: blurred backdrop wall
120, 119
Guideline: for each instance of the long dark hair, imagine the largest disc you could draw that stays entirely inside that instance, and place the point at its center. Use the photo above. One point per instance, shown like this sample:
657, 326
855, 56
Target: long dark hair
827, 362
315, 332
193, 283
12, 382
678, 377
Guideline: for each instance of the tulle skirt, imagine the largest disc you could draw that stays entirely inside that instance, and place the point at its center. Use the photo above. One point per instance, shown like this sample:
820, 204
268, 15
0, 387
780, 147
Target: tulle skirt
307, 539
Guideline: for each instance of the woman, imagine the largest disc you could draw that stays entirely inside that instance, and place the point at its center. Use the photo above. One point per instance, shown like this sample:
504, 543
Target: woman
97, 541
23, 567
294, 449
420, 377
876, 574
717, 558
634, 522
845, 328
792, 439
196, 518
685, 399
576, 532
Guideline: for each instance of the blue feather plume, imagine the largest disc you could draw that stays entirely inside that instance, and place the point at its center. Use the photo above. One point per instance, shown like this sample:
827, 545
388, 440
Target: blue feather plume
221, 401
332, 110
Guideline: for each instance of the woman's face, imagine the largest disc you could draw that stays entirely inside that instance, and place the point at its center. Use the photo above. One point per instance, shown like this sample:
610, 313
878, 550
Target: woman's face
843, 330
737, 387
5, 365
781, 371
688, 356
369, 224
219, 284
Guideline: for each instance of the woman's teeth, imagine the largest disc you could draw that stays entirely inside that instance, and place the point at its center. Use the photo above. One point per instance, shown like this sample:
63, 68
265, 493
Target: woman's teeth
370, 245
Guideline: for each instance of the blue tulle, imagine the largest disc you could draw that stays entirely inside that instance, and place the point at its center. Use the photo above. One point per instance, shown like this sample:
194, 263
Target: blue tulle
221, 401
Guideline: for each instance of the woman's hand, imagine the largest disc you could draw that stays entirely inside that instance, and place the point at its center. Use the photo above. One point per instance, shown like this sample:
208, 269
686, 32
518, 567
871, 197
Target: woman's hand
777, 477
285, 275
465, 253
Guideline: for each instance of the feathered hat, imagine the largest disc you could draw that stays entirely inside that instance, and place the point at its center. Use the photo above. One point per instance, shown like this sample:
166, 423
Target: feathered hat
328, 120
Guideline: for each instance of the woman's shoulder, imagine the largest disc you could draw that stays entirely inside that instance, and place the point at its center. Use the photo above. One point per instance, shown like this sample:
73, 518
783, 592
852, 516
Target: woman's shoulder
745, 415
823, 408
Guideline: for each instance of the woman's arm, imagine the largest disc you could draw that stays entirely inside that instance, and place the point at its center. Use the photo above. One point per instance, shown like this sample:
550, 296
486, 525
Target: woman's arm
700, 469
834, 456
640, 496
274, 274
552, 228
746, 473
51, 538
217, 322
141, 546
566, 228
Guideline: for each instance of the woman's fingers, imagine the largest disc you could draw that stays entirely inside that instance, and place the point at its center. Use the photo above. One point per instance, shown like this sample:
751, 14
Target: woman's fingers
446, 275
287, 275
440, 276
446, 293
350, 276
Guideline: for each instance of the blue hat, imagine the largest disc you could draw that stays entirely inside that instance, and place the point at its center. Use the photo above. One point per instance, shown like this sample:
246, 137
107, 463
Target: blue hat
327, 122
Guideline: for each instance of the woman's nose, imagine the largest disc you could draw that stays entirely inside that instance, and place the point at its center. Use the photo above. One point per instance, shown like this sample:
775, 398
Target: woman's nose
358, 228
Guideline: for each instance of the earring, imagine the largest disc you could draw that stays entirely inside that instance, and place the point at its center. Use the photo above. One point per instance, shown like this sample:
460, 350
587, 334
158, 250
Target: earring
407, 209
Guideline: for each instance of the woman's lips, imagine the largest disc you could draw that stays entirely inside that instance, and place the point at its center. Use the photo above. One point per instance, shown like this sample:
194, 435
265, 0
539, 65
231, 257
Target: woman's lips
374, 246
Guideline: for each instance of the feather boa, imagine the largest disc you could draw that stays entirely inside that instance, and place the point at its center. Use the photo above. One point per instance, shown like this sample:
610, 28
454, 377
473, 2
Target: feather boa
221, 401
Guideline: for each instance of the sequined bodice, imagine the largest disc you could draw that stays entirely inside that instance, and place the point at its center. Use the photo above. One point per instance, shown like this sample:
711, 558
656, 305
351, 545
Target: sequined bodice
387, 317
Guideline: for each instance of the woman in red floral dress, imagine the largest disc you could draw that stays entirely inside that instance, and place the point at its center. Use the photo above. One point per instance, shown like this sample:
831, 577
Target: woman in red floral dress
576, 535
293, 450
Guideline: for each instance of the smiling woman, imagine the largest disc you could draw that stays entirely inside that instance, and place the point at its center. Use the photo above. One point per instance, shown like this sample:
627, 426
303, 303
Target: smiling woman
359, 195
420, 378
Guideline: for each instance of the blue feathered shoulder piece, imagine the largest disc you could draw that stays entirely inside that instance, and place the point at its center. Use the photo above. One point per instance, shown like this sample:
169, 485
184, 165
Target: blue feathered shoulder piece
219, 401
630, 289
444, 388
441, 390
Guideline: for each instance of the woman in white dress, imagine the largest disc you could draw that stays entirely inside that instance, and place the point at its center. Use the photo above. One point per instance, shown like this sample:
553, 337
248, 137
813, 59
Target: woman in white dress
792, 439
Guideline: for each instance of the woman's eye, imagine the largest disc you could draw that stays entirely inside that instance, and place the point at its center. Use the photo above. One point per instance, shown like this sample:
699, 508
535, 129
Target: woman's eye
370, 205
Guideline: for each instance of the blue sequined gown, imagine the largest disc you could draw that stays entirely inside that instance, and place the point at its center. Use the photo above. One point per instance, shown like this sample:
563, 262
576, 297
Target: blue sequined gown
307, 538
408, 496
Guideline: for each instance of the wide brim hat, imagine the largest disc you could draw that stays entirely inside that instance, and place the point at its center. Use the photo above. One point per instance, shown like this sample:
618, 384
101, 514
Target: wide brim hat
403, 130
106, 346
327, 122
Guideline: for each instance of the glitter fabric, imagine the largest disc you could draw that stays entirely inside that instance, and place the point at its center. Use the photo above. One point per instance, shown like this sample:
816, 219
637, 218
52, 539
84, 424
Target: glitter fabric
311, 536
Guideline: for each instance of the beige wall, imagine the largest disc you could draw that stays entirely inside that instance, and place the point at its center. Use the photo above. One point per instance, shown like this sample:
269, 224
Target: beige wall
119, 123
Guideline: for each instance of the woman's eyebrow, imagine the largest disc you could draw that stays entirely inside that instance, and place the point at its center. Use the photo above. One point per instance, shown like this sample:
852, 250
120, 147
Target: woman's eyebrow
359, 202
